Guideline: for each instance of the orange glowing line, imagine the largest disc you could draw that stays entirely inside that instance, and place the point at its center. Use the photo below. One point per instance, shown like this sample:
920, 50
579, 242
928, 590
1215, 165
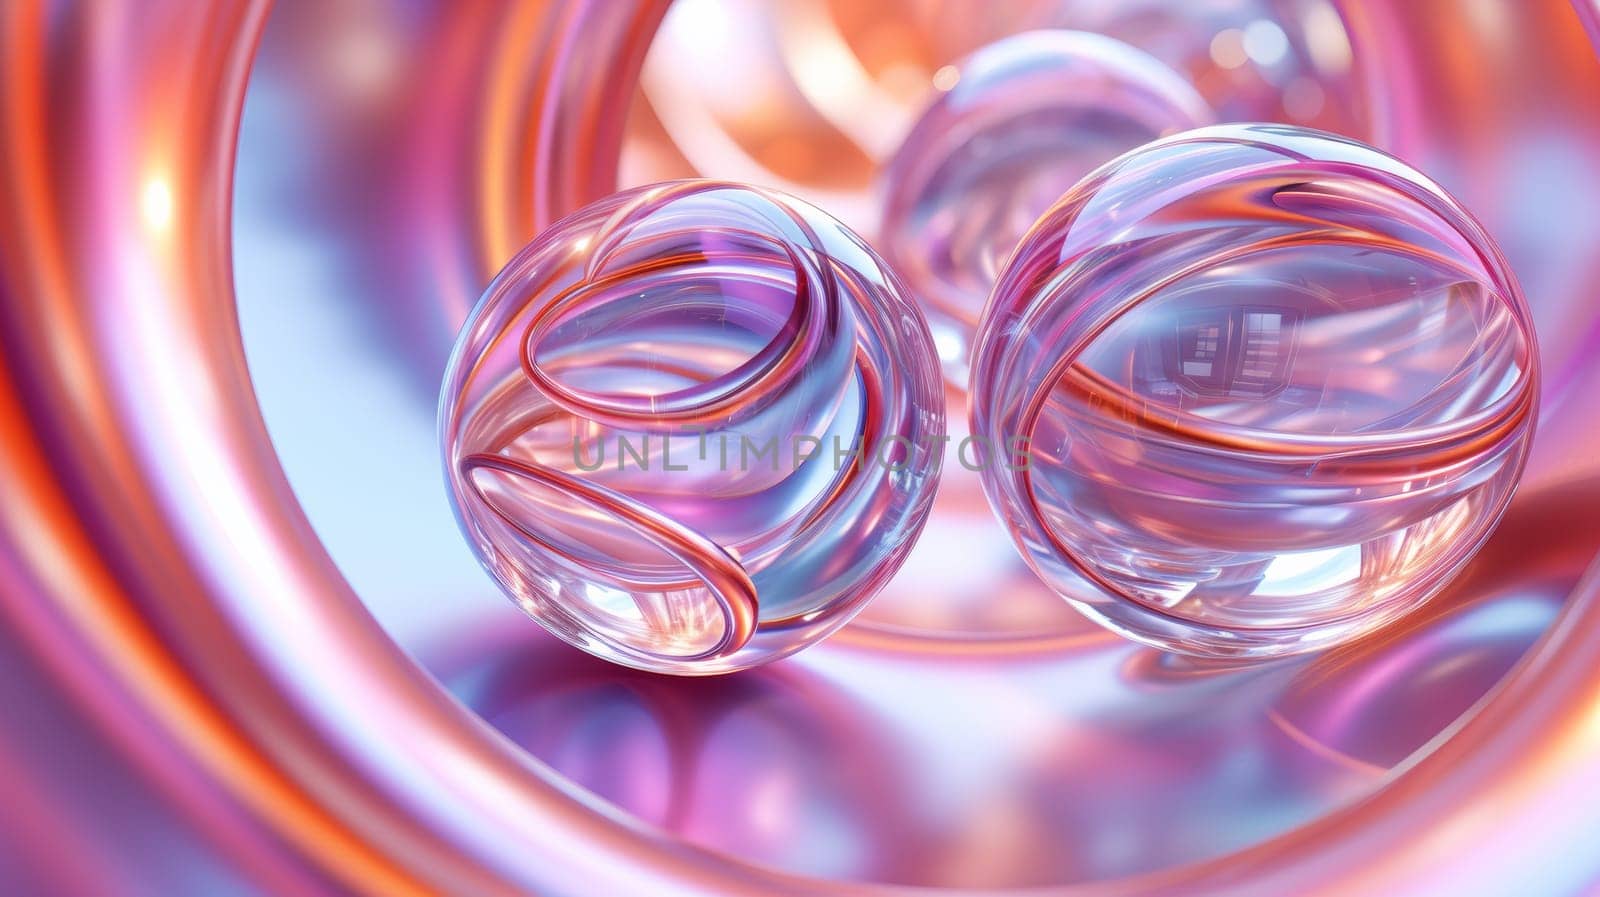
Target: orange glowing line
501, 178
874, 636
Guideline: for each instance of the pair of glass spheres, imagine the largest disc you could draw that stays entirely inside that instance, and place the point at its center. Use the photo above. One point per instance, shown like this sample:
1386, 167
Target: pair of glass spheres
1245, 390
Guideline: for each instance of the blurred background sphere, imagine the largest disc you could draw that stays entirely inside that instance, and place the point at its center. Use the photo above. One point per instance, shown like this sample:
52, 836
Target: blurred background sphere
817, 96
1010, 128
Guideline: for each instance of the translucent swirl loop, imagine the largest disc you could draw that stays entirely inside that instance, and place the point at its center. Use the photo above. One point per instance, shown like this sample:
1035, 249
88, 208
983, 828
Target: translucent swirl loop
693, 427
1277, 388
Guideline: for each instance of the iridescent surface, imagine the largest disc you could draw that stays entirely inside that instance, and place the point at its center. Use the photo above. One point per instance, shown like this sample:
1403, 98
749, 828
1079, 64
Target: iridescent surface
1276, 387
693, 427
223, 652
1011, 128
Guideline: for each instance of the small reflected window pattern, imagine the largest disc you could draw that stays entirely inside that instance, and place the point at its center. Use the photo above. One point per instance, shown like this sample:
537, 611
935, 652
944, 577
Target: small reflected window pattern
1234, 350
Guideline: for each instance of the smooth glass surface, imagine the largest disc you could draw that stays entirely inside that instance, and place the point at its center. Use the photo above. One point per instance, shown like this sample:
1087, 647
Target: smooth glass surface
1277, 387
691, 427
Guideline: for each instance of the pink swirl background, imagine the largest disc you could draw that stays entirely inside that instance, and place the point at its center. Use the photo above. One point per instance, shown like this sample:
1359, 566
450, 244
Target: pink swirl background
243, 652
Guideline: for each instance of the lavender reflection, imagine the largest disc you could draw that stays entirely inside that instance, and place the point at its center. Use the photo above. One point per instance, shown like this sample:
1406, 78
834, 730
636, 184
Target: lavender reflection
1048, 769
772, 766
1381, 700
944, 764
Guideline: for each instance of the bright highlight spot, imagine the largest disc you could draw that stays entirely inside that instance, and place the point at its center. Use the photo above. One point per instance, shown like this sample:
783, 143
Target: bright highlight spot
1265, 42
156, 203
1227, 49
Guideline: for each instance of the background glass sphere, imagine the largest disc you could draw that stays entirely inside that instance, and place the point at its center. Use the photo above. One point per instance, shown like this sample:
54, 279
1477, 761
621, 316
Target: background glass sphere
1010, 129
1277, 387
693, 427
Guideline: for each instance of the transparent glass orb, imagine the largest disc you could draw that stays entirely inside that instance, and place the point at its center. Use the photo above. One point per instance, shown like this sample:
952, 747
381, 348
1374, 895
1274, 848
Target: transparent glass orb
1275, 388
693, 427
1013, 126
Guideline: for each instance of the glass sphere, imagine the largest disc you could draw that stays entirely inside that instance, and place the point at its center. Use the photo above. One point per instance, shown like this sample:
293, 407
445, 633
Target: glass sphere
1256, 389
1015, 125
693, 427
